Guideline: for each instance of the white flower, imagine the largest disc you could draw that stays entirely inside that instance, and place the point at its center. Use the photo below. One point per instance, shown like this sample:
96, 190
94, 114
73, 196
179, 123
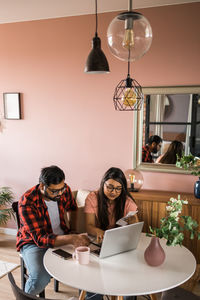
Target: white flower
173, 200
174, 214
185, 202
168, 208
177, 218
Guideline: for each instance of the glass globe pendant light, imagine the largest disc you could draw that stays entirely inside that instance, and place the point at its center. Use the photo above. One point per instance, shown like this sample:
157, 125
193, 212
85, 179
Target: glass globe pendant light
129, 31
96, 61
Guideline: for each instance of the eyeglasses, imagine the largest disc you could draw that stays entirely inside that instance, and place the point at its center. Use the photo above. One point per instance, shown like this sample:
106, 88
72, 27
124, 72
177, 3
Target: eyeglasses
111, 188
56, 192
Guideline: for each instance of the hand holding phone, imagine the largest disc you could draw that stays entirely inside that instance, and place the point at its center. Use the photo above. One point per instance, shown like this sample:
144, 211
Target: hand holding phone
62, 253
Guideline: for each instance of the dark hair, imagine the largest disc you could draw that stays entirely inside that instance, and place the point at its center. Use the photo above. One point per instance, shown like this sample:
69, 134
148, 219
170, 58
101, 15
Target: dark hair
170, 157
118, 175
51, 175
154, 139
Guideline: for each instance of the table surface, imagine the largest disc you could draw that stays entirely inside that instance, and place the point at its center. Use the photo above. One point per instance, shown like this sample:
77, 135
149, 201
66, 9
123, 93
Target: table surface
6, 267
126, 273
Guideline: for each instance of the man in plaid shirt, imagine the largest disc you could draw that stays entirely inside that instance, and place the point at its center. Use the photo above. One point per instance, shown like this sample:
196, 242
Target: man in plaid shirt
153, 146
42, 212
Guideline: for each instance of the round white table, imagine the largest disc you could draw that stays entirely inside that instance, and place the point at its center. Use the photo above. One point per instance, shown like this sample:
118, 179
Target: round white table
124, 274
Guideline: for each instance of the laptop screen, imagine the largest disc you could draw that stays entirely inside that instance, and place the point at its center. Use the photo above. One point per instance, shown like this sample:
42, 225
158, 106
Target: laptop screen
118, 240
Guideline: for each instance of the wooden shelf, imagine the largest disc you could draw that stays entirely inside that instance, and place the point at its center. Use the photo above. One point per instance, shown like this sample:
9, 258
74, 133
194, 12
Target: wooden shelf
152, 207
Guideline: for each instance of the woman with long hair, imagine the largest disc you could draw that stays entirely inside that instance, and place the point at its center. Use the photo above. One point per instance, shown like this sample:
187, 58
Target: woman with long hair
106, 206
170, 157
109, 204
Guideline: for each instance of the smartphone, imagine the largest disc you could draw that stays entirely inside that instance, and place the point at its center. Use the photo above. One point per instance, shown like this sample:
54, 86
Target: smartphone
63, 254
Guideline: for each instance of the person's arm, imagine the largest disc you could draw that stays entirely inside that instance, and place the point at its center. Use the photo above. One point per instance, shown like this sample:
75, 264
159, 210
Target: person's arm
159, 159
130, 205
132, 219
91, 226
70, 210
72, 216
73, 239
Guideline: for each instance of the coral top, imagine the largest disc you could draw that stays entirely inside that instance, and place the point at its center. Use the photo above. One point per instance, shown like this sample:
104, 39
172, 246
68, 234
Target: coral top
91, 207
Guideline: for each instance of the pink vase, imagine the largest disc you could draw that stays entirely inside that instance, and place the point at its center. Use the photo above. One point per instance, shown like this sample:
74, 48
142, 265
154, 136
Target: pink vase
154, 254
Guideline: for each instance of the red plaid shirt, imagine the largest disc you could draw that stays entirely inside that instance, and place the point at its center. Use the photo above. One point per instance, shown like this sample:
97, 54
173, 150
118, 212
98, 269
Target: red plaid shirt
146, 154
35, 225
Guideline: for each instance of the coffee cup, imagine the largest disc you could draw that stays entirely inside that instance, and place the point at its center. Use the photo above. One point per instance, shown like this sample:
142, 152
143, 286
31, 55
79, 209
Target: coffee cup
82, 255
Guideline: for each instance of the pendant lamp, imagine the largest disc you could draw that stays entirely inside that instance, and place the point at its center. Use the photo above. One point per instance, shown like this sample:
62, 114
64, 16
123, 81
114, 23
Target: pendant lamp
128, 95
129, 37
129, 31
96, 61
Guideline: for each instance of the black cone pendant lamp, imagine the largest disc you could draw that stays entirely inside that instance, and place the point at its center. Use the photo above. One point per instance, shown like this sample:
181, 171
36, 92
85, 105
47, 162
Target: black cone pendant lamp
96, 61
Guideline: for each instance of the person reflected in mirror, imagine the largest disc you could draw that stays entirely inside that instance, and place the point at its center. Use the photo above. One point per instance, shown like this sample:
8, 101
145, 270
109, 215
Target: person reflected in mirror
108, 204
42, 210
153, 146
170, 156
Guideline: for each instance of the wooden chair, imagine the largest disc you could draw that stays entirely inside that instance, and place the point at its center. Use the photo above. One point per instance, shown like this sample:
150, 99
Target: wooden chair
184, 292
24, 275
20, 294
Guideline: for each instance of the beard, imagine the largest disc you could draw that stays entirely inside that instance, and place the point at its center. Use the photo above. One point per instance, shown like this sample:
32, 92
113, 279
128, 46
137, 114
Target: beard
46, 195
154, 150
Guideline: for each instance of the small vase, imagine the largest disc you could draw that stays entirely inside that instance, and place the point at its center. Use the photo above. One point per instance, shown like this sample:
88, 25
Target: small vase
197, 189
154, 254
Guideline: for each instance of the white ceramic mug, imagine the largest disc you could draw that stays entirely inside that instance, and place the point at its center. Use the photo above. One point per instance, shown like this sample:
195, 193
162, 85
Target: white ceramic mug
82, 255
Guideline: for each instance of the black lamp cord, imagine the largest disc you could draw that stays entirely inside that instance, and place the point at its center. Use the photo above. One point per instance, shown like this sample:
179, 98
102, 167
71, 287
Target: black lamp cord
96, 35
129, 51
129, 54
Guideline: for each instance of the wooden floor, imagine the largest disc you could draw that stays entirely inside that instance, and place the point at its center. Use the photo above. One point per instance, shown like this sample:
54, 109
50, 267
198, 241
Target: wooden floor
8, 253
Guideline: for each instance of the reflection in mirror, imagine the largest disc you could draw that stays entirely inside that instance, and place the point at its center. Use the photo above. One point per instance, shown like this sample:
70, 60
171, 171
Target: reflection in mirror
173, 113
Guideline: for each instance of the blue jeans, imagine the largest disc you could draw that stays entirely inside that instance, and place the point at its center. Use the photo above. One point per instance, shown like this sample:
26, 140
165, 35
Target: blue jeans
38, 276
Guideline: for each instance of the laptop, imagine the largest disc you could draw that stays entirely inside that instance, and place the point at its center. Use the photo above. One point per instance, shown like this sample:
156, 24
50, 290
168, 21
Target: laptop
118, 240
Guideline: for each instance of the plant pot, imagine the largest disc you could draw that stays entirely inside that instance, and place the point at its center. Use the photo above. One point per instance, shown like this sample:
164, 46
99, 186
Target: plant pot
154, 254
197, 189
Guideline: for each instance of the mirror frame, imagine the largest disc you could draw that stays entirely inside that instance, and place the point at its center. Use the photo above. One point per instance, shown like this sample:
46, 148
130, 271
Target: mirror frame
138, 130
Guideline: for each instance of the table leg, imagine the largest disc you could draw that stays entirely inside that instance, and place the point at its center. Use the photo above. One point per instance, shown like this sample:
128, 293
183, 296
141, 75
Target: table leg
153, 296
82, 295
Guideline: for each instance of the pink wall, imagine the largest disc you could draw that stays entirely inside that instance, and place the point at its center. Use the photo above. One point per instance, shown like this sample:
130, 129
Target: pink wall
69, 119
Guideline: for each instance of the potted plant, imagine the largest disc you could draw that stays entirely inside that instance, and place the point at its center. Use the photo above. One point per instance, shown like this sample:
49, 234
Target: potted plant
192, 164
6, 197
172, 228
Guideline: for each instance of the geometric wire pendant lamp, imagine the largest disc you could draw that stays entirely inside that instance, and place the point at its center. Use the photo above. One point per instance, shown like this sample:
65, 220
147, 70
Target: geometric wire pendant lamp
128, 95
96, 61
129, 37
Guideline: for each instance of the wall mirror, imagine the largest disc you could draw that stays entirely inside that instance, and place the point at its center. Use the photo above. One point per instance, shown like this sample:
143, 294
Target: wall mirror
172, 113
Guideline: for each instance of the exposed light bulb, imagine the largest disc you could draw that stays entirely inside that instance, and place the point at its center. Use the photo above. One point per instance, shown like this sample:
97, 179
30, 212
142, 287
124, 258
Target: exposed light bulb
128, 41
132, 178
129, 98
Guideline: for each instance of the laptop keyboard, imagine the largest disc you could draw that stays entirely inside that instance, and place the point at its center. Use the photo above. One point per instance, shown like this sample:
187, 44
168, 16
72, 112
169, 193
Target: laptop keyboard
97, 251
95, 248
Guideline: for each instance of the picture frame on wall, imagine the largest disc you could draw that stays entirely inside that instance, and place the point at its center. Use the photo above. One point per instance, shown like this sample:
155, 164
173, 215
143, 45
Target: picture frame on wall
12, 106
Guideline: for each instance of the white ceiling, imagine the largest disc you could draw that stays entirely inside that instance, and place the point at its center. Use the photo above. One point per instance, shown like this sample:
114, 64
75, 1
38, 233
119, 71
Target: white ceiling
25, 10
